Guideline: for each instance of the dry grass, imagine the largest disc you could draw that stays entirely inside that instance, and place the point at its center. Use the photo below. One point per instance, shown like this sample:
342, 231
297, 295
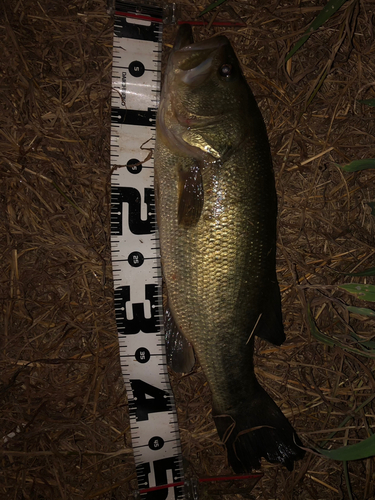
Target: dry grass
63, 404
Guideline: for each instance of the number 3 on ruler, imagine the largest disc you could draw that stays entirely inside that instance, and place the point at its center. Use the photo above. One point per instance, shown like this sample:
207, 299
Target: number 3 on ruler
135, 253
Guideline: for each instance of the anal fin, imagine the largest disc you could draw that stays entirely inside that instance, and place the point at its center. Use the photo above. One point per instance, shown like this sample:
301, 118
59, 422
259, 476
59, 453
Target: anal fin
180, 353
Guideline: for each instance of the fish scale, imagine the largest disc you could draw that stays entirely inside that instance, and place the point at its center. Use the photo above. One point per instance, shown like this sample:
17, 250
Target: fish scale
216, 274
216, 209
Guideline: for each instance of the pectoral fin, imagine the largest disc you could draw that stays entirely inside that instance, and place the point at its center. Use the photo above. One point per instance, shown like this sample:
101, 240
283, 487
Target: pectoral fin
180, 353
191, 196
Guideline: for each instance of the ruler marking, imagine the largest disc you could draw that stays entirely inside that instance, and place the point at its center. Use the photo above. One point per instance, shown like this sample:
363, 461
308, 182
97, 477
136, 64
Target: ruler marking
138, 297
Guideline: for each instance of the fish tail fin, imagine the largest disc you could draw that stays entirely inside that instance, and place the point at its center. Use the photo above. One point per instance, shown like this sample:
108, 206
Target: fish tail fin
258, 429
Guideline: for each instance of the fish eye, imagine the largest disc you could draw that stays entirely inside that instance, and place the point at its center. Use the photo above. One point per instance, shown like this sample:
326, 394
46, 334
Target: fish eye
226, 71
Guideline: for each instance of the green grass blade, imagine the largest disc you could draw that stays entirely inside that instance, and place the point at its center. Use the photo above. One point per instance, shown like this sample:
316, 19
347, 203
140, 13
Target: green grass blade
322, 337
371, 204
348, 419
323, 16
365, 344
297, 46
363, 292
363, 311
368, 102
347, 480
370, 344
69, 200
358, 451
317, 88
367, 272
316, 332
357, 165
212, 6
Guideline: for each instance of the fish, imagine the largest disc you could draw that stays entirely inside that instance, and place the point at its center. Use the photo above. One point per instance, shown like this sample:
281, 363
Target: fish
216, 208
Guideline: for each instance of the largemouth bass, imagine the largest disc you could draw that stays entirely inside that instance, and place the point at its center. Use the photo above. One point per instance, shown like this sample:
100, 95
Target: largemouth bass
216, 210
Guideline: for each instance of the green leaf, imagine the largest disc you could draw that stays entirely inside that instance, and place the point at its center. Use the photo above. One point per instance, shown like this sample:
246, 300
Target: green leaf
363, 292
212, 6
363, 311
323, 16
357, 165
366, 272
358, 451
368, 102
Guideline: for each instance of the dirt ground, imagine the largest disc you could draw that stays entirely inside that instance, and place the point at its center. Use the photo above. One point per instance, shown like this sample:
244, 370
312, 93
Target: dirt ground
64, 431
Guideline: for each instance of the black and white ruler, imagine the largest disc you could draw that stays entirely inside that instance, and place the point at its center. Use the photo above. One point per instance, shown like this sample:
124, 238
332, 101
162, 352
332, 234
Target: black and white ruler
136, 78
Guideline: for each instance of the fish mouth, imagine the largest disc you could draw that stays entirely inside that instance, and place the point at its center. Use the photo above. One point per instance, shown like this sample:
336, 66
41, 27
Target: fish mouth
190, 64
193, 62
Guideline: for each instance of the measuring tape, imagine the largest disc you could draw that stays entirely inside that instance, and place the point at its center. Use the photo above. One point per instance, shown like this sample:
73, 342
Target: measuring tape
136, 78
136, 75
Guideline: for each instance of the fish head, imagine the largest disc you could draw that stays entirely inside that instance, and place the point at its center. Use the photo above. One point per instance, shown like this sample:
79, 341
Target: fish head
205, 100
